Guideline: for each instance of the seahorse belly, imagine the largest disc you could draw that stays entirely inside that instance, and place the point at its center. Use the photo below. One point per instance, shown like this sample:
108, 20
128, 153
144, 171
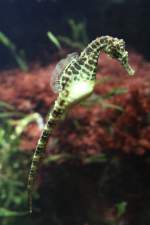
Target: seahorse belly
80, 90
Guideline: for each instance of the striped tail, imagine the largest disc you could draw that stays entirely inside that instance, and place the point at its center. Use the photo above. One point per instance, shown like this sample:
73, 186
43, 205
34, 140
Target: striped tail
54, 117
40, 149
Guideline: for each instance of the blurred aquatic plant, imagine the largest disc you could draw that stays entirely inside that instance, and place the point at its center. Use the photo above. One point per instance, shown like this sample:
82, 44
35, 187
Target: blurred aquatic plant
54, 39
121, 208
78, 36
13, 161
103, 99
19, 56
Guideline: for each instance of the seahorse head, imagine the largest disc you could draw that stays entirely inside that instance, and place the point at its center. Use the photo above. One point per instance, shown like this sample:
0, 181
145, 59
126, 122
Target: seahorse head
116, 49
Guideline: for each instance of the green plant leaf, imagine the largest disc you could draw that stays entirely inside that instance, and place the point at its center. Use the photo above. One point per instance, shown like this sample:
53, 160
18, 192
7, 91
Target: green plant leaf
100, 158
7, 213
34, 117
6, 41
116, 91
121, 208
12, 48
107, 105
10, 114
6, 105
21, 61
54, 39
71, 43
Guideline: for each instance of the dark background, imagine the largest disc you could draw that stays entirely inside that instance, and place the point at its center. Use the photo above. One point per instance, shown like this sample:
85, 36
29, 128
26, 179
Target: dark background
26, 22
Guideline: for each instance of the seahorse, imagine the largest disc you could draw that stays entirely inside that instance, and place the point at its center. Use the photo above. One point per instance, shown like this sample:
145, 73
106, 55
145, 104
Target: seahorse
75, 82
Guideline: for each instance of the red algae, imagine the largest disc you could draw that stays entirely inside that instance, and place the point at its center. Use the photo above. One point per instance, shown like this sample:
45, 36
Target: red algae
98, 127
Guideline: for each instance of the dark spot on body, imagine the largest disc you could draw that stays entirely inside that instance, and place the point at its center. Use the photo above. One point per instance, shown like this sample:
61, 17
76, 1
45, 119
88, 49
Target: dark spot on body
69, 72
77, 66
45, 133
61, 103
94, 46
76, 78
57, 113
91, 61
32, 172
74, 71
86, 72
81, 61
87, 66
50, 123
39, 149
89, 50
35, 161
44, 138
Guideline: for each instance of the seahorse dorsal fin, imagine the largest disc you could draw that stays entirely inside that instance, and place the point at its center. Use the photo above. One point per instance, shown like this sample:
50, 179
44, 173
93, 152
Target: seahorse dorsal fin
57, 72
